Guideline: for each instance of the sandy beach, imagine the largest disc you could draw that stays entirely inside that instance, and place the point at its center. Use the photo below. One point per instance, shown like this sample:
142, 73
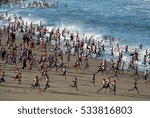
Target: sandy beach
60, 87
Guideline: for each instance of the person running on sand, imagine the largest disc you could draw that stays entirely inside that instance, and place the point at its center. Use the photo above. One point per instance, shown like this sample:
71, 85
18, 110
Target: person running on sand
61, 65
36, 83
114, 86
86, 64
14, 59
112, 66
108, 84
24, 63
80, 58
3, 53
131, 66
75, 83
68, 57
122, 67
64, 71
47, 83
134, 86
135, 72
18, 75
2, 77
77, 65
98, 53
103, 85
99, 68
30, 65
145, 75
41, 66
104, 68
44, 74
116, 73
6, 59
93, 79
19, 79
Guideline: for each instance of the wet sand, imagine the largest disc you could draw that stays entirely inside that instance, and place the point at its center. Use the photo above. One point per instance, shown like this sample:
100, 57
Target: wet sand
60, 87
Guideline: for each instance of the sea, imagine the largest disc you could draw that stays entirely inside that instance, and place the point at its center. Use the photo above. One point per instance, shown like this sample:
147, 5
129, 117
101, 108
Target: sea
126, 20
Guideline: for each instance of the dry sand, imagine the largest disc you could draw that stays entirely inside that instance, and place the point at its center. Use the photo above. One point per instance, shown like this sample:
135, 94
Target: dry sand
60, 87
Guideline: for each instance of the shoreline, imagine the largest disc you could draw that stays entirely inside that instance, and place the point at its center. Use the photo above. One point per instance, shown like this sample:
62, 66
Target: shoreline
122, 46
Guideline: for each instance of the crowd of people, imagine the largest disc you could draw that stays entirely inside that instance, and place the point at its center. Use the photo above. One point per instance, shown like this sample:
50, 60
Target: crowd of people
56, 43
35, 4
39, 4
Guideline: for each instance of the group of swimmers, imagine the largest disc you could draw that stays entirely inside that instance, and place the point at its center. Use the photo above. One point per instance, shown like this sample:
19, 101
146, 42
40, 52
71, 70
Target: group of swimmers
62, 42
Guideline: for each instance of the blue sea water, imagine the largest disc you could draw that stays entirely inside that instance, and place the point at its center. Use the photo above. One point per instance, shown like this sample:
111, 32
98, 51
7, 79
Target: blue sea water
127, 20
